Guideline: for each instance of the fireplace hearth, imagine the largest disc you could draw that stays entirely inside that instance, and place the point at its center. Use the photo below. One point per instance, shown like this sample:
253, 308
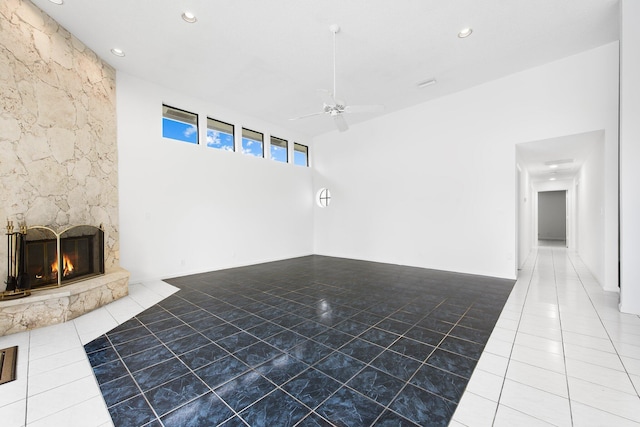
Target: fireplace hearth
61, 274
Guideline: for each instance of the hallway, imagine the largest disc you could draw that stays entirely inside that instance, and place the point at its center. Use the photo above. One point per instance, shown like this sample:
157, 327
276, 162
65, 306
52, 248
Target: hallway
561, 353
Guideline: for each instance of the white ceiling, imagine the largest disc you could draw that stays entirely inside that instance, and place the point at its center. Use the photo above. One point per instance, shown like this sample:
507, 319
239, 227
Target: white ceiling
267, 58
569, 152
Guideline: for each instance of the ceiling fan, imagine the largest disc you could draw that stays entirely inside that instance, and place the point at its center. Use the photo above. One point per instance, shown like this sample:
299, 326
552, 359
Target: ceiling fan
333, 106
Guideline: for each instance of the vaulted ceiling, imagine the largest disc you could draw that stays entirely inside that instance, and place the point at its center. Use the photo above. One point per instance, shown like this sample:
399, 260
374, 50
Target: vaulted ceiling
267, 58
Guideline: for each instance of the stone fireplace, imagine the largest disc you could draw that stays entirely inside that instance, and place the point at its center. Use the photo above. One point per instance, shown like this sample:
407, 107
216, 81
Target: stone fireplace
59, 167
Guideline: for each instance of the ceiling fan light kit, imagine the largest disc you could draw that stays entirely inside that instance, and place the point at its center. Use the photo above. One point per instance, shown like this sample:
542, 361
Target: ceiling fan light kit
331, 105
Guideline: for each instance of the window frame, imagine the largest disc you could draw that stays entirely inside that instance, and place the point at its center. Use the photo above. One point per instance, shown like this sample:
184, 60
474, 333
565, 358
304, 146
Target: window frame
306, 153
286, 148
233, 134
176, 119
252, 139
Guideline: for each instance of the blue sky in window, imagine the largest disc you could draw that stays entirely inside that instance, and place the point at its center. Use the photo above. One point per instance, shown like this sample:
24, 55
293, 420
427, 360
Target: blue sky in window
299, 158
220, 140
178, 130
279, 153
251, 147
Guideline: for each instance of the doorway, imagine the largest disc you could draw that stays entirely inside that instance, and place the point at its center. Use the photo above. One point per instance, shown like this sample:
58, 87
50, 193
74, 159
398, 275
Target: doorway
552, 218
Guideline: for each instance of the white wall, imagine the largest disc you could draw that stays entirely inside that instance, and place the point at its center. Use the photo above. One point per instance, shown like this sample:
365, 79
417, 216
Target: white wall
552, 215
187, 208
590, 190
434, 185
525, 240
630, 157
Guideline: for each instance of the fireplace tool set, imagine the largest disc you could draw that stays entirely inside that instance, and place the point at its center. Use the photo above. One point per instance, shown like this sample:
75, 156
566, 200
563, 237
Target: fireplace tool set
17, 279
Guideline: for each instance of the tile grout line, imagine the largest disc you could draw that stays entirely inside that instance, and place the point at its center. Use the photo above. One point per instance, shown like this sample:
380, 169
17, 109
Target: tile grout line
130, 374
66, 408
119, 358
26, 394
424, 362
564, 351
95, 380
172, 379
142, 393
606, 331
277, 387
504, 378
368, 364
254, 369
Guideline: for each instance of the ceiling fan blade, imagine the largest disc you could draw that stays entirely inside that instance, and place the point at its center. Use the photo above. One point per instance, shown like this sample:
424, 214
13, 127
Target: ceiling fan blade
364, 108
340, 122
307, 115
326, 97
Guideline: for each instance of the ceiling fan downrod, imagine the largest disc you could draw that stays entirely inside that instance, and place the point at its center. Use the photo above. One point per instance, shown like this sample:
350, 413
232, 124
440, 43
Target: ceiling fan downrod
334, 28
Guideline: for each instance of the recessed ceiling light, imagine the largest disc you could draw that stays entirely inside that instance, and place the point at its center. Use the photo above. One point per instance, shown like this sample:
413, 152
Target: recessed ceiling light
554, 166
465, 32
552, 179
117, 52
58, 2
427, 83
550, 163
189, 17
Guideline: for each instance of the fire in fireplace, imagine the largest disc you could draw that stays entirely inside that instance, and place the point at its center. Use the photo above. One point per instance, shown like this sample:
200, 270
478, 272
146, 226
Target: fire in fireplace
54, 259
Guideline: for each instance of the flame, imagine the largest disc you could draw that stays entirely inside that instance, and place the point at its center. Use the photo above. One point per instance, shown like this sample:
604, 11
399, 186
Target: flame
66, 262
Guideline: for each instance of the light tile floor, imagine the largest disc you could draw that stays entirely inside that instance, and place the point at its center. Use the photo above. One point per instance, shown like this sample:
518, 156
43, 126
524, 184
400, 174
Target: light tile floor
561, 354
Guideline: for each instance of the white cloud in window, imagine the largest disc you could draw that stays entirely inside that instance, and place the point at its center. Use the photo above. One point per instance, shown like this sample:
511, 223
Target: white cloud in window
213, 138
190, 130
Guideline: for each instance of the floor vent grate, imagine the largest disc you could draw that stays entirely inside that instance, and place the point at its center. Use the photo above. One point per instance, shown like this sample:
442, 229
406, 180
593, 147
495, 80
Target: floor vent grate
8, 358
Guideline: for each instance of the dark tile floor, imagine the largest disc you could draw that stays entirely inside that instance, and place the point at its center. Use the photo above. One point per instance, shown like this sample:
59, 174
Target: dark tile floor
312, 341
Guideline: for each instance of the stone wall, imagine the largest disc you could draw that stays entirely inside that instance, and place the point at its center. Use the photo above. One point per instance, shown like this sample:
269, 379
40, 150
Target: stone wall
58, 148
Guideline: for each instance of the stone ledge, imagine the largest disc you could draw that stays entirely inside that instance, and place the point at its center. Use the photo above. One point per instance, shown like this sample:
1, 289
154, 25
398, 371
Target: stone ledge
51, 306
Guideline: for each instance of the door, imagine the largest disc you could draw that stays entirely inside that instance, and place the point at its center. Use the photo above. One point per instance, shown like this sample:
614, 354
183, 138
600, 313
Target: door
552, 218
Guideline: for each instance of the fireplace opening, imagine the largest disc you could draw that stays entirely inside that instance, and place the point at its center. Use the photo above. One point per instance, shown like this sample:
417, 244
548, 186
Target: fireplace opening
55, 260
